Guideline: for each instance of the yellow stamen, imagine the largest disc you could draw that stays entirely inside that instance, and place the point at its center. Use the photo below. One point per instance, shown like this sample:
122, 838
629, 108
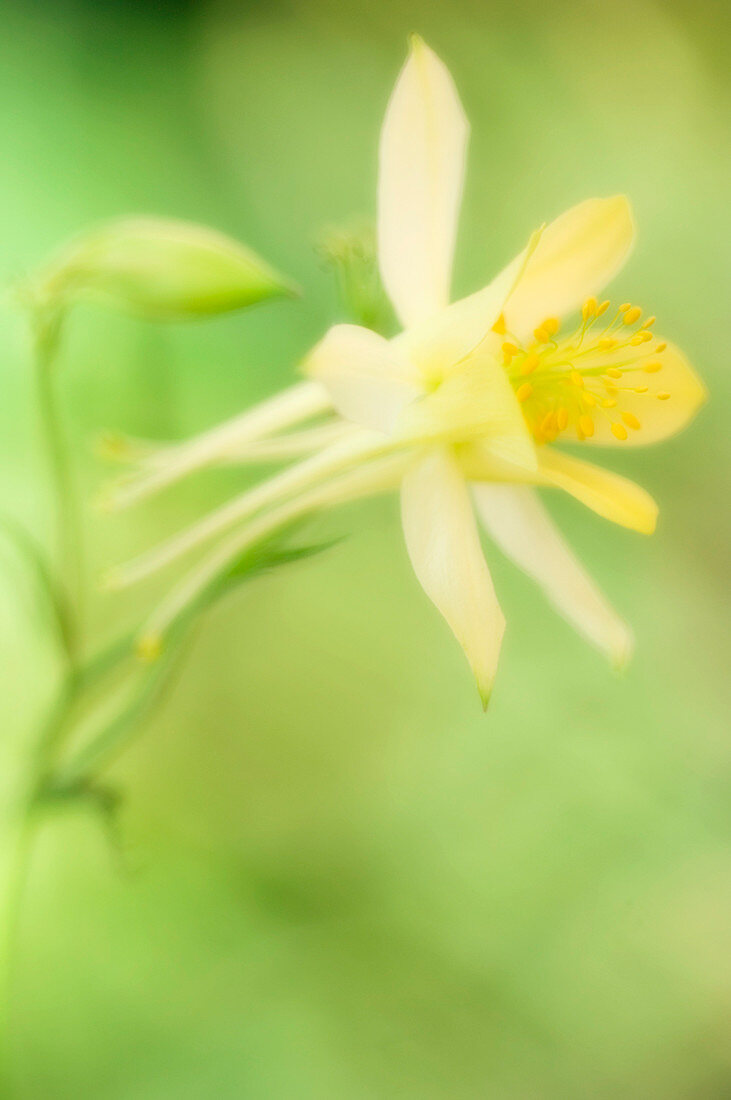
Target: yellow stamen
523, 392
562, 418
663, 396
661, 347
547, 424
652, 368
640, 338
609, 403
509, 350
649, 322
619, 431
624, 307
589, 399
530, 362
602, 308
541, 335
631, 421
589, 309
614, 372
631, 315
149, 647
587, 425
576, 379
606, 343
640, 389
551, 325
499, 326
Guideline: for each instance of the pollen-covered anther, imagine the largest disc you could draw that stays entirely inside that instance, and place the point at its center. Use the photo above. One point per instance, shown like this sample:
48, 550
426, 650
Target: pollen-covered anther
547, 329
652, 368
614, 372
530, 363
660, 347
548, 424
509, 351
631, 421
619, 431
589, 309
576, 379
500, 327
663, 396
562, 419
524, 391
631, 315
587, 426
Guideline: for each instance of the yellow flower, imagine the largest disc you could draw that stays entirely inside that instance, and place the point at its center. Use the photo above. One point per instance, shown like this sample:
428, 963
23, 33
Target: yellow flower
461, 408
483, 386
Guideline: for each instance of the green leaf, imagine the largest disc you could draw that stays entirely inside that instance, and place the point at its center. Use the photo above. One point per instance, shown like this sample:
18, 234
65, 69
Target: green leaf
35, 561
159, 268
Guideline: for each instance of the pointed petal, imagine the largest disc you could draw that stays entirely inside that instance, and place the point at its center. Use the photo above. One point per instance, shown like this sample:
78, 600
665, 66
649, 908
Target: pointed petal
438, 343
522, 528
369, 379
444, 547
578, 254
610, 495
422, 157
658, 419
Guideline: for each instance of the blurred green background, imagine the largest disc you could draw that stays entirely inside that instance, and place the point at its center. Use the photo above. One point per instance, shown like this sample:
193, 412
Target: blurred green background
340, 879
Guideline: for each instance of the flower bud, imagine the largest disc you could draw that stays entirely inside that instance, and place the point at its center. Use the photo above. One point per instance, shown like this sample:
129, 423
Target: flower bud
160, 269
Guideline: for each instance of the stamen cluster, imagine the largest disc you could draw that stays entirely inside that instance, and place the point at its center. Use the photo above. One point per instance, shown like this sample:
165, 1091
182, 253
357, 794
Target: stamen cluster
568, 384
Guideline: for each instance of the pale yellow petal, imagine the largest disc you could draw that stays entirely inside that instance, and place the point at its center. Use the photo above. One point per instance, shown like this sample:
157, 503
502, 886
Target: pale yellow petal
577, 255
422, 158
445, 551
658, 417
476, 401
369, 380
607, 493
520, 525
444, 340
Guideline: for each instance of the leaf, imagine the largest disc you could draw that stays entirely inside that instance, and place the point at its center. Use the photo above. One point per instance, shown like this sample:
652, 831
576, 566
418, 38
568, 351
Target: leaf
32, 554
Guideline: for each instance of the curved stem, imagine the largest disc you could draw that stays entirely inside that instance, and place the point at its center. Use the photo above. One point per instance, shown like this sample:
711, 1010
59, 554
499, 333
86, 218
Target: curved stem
67, 524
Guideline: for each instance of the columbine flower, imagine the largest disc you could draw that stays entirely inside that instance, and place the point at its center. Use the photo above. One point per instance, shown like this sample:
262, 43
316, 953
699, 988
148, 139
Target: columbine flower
462, 407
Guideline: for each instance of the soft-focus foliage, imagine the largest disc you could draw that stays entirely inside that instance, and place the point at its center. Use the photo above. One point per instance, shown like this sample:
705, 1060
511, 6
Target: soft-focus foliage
342, 881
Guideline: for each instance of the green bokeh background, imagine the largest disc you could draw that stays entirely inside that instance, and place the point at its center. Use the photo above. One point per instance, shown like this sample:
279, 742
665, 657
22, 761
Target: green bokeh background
340, 879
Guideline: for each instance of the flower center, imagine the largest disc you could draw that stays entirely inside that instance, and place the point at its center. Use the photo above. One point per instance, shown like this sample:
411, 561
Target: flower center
566, 384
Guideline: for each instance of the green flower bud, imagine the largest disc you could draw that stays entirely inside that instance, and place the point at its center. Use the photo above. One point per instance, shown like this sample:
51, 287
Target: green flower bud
161, 269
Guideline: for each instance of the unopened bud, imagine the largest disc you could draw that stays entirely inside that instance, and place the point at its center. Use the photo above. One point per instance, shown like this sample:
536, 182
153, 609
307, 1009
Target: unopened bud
161, 269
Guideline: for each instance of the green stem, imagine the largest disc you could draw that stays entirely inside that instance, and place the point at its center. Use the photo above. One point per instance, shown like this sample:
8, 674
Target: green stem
65, 503
14, 856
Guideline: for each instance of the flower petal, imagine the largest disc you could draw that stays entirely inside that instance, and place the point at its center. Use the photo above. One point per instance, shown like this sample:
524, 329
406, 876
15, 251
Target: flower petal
422, 157
444, 547
369, 379
610, 495
658, 419
577, 255
443, 340
475, 401
522, 528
